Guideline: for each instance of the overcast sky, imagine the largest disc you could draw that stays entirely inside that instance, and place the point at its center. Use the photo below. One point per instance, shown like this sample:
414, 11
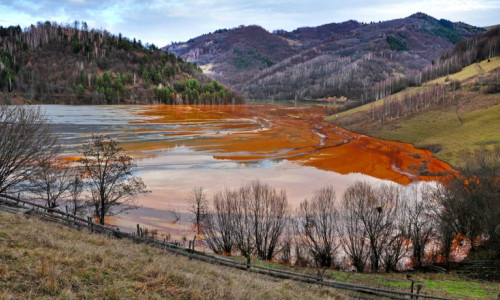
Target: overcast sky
163, 21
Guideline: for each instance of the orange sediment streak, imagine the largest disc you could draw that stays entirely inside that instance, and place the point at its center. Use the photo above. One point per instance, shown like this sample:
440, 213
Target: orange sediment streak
249, 133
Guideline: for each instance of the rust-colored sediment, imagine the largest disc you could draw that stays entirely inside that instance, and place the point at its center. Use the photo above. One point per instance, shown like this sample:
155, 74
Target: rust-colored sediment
253, 132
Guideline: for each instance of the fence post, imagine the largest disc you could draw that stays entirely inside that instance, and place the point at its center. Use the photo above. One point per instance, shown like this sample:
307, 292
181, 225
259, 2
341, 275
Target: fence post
419, 287
248, 262
408, 276
189, 251
320, 277
89, 219
194, 240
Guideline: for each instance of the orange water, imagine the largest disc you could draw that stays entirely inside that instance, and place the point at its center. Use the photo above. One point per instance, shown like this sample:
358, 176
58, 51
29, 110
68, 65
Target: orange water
292, 148
250, 133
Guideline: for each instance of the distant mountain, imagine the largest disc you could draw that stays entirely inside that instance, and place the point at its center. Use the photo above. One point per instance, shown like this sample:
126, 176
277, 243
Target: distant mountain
54, 63
234, 55
338, 59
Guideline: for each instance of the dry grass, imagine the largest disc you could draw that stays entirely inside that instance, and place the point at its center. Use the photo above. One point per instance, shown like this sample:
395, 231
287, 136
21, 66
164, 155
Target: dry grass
42, 260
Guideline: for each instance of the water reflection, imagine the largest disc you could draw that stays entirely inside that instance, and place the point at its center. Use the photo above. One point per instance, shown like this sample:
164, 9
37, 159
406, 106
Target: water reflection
289, 147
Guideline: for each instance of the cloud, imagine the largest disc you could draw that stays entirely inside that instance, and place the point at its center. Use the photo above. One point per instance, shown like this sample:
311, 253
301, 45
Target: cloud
161, 22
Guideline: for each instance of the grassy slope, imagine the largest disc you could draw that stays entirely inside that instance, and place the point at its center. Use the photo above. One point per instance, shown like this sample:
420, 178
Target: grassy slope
469, 121
466, 73
471, 70
44, 260
454, 132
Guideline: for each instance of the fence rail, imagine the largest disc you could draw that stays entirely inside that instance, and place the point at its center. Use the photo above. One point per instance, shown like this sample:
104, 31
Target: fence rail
69, 219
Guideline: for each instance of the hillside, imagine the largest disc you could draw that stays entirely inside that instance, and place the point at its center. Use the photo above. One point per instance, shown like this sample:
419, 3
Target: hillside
55, 63
45, 260
41, 259
231, 56
344, 59
447, 114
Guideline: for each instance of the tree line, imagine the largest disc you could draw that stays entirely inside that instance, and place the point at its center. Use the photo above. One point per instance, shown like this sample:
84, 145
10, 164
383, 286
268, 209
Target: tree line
369, 227
71, 63
192, 92
411, 103
465, 52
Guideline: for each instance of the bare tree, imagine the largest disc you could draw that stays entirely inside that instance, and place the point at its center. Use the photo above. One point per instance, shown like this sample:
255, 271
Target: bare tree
218, 225
378, 218
269, 213
109, 176
352, 232
26, 142
396, 244
198, 206
371, 226
317, 226
76, 205
243, 225
51, 181
421, 226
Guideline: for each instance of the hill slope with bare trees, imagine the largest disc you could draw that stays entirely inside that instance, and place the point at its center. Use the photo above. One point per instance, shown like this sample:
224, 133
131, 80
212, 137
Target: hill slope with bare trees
55, 63
456, 108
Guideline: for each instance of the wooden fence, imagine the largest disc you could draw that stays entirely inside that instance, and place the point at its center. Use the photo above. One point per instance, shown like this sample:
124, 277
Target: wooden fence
13, 204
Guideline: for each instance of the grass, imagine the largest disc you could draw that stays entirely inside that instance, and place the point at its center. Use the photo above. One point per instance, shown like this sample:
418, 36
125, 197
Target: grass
453, 132
467, 120
471, 70
44, 260
48, 261
466, 73
449, 285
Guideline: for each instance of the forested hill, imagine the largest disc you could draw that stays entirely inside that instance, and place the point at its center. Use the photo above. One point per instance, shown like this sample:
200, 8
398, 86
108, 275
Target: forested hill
55, 63
337, 59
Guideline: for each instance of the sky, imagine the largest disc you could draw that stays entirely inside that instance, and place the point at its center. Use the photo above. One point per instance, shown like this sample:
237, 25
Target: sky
164, 21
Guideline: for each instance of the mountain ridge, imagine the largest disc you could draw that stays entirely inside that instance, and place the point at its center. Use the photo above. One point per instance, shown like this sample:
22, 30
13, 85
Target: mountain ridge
335, 59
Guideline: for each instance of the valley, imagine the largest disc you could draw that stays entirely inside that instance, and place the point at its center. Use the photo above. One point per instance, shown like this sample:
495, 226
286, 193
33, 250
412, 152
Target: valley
358, 148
